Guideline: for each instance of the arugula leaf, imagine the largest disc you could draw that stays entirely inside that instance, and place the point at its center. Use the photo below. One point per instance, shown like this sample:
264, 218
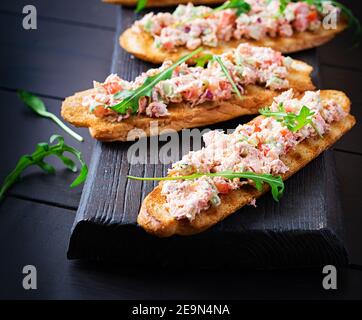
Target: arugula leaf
42, 151
275, 182
201, 61
283, 5
133, 96
228, 76
294, 122
240, 5
141, 4
123, 94
36, 105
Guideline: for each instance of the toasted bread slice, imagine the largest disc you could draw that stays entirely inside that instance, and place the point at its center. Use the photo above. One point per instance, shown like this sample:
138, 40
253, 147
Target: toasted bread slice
142, 46
156, 220
163, 3
181, 116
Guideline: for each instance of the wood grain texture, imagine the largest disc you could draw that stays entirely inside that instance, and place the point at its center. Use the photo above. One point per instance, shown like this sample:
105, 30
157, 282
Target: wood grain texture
305, 229
62, 59
88, 12
349, 177
32, 233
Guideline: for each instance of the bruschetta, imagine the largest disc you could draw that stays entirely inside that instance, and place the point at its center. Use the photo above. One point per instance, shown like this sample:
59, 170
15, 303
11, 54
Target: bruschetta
294, 27
161, 3
273, 146
233, 84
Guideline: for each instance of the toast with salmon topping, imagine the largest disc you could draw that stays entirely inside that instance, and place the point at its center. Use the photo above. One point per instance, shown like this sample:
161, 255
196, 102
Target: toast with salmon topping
235, 84
187, 207
298, 26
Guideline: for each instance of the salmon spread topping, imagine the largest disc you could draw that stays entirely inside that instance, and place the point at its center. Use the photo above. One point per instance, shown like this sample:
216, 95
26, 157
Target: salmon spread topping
194, 85
191, 27
253, 147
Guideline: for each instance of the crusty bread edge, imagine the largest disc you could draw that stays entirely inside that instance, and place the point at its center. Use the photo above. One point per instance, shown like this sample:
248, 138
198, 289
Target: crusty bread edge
156, 220
142, 46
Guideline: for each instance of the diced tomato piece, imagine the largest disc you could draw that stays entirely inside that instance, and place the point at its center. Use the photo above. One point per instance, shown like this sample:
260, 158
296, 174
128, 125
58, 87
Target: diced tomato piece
168, 45
190, 94
260, 145
225, 85
256, 122
228, 18
284, 132
101, 112
223, 187
313, 15
288, 109
112, 87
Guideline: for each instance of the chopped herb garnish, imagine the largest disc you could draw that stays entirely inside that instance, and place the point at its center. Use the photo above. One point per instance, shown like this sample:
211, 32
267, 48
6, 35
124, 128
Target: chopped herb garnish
42, 151
122, 94
130, 102
240, 5
292, 121
275, 182
203, 60
141, 4
283, 5
228, 76
37, 105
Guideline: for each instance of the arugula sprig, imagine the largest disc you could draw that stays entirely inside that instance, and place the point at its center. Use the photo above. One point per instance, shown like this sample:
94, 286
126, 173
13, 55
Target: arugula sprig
36, 105
131, 97
240, 5
294, 122
42, 151
141, 4
201, 61
275, 182
282, 5
228, 76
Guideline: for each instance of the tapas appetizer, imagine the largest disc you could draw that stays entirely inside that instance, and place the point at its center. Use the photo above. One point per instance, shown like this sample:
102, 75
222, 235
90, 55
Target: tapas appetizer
233, 170
286, 26
179, 96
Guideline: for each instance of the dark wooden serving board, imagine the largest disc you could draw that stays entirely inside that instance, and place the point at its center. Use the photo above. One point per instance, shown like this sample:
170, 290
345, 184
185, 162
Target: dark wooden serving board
304, 229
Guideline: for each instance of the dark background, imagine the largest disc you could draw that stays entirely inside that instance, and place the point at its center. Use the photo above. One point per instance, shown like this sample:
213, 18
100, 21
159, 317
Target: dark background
72, 46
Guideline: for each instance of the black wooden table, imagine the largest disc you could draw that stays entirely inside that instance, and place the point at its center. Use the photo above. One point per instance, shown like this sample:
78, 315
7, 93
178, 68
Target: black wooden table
72, 46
